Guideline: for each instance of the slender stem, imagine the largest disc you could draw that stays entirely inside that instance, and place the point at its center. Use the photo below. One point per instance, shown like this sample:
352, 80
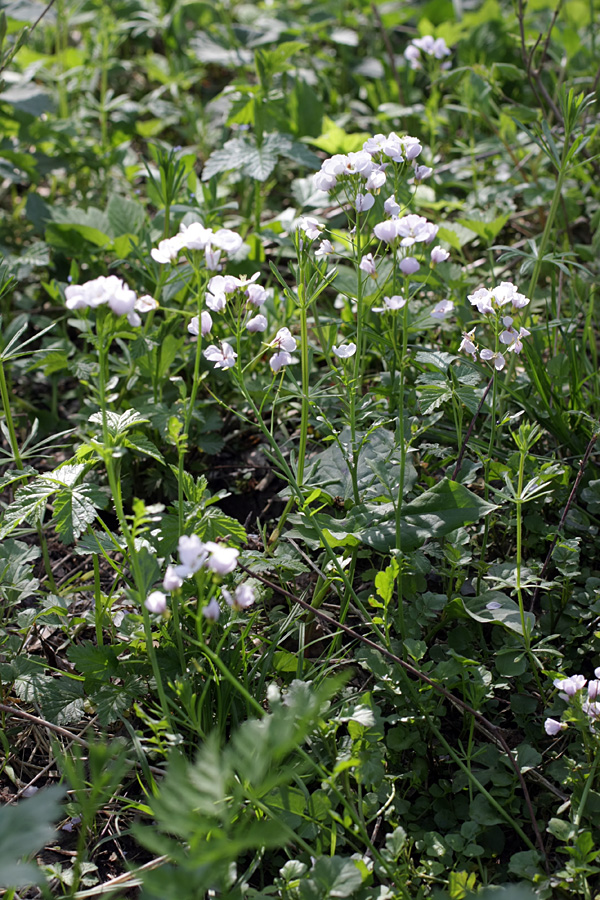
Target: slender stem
305, 371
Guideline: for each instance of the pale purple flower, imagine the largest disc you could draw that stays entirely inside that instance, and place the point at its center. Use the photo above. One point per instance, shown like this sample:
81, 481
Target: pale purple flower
376, 179
593, 690
108, 290
386, 231
212, 611
324, 249
391, 207
156, 602
411, 147
222, 559
223, 357
568, 687
212, 258
172, 580
552, 727
442, 309
409, 265
482, 299
345, 351
439, 255
242, 599
204, 325
415, 229
391, 304
324, 181
256, 294
364, 202
413, 55
367, 264
497, 359
257, 323
422, 172
375, 144
513, 339
284, 340
467, 345
311, 227
280, 359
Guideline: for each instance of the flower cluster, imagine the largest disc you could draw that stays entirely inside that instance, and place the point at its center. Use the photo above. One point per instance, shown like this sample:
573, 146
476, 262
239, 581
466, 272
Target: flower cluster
491, 302
366, 168
571, 691
411, 230
420, 48
193, 556
196, 237
112, 291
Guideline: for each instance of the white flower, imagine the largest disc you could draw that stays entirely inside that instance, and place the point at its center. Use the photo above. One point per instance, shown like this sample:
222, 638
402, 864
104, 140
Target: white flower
411, 147
284, 340
391, 304
324, 182
257, 323
367, 264
227, 240
442, 309
168, 250
593, 690
112, 291
278, 360
172, 581
496, 358
375, 144
223, 357
156, 602
482, 299
146, 303
192, 555
409, 265
413, 55
324, 249
345, 351
439, 255
222, 559
311, 227
552, 727
194, 236
212, 611
363, 202
242, 599
467, 344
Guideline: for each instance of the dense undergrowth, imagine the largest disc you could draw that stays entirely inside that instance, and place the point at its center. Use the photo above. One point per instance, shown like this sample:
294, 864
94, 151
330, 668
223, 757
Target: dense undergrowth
300, 580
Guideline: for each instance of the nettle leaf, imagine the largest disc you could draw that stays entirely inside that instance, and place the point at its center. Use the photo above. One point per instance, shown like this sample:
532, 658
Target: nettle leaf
119, 423
75, 509
28, 505
24, 829
16, 570
143, 445
60, 699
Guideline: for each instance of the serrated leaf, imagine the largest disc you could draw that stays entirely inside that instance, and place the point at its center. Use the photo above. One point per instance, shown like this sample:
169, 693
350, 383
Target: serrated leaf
119, 423
75, 509
24, 829
125, 216
143, 445
29, 504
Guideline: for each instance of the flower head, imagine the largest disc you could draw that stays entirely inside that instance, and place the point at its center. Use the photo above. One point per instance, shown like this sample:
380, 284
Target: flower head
552, 727
367, 264
242, 599
257, 323
442, 309
468, 345
222, 560
391, 304
224, 357
212, 610
345, 351
156, 602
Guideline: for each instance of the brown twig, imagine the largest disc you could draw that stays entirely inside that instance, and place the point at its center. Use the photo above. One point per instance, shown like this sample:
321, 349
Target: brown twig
459, 458
582, 465
493, 732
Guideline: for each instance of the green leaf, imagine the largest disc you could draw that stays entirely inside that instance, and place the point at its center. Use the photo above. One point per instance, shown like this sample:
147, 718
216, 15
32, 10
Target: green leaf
75, 509
331, 876
143, 445
494, 607
125, 216
335, 140
24, 829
